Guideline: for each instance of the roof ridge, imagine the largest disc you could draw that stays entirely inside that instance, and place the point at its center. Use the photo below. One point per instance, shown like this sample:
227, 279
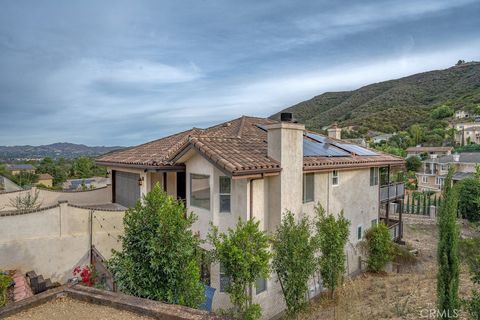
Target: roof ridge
240, 127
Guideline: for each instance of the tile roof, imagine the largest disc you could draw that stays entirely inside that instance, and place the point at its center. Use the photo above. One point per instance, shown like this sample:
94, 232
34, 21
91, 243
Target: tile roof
429, 149
44, 176
465, 157
238, 146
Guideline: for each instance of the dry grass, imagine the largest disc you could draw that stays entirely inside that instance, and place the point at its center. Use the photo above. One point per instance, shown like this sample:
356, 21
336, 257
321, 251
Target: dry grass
392, 295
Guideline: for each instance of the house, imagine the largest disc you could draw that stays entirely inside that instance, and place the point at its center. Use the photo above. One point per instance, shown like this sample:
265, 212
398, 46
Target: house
434, 170
382, 137
259, 168
439, 151
17, 168
45, 179
461, 114
466, 133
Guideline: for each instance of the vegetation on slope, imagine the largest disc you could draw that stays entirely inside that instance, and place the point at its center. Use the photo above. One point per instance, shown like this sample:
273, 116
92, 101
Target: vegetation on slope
394, 105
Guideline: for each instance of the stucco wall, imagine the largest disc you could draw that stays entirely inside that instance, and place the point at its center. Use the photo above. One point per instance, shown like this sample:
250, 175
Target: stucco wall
53, 240
49, 197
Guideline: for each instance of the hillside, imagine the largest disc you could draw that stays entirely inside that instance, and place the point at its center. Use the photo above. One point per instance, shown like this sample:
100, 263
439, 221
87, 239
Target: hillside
55, 150
393, 105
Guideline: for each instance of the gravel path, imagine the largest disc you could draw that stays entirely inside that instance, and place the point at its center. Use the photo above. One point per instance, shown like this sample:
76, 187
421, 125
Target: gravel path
67, 308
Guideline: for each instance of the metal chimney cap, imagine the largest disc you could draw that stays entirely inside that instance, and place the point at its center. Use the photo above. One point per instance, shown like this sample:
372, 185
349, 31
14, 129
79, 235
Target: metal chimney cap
286, 117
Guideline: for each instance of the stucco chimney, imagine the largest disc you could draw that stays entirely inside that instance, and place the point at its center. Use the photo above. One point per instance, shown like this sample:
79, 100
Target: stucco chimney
334, 131
285, 144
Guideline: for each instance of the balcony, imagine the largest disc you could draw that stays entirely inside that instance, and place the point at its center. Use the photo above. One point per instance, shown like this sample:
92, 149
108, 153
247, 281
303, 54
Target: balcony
392, 191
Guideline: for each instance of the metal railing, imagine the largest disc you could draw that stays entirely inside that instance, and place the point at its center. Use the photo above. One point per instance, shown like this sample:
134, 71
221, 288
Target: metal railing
392, 191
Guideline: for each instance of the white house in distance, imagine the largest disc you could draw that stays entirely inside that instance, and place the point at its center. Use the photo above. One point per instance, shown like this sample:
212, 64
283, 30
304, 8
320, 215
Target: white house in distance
259, 168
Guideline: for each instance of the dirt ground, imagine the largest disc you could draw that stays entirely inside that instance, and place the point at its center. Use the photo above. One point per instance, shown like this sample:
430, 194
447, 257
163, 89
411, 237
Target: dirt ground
67, 308
409, 294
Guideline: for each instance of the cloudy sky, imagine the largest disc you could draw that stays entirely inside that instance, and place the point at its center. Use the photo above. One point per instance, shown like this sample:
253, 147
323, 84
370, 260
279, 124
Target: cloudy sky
125, 72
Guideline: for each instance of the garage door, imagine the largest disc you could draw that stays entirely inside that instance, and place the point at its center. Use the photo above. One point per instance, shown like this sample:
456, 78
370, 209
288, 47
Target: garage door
127, 190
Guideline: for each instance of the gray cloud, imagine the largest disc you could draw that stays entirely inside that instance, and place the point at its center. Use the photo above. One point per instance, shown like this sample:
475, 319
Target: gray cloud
123, 72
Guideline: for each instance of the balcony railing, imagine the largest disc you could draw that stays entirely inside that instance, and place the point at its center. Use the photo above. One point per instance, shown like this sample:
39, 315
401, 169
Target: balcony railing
392, 191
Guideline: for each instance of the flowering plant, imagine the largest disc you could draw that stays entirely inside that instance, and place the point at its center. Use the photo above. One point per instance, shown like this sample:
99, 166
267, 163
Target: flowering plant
86, 273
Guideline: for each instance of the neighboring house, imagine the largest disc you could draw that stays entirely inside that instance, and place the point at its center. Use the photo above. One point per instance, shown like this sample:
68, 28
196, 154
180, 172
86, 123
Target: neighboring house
466, 133
259, 168
434, 170
89, 183
461, 114
439, 151
17, 168
45, 179
382, 137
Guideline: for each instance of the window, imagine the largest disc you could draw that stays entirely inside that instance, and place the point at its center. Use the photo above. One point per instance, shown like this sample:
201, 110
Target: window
200, 191
308, 187
359, 232
224, 279
260, 285
374, 222
437, 181
373, 176
225, 191
444, 167
424, 179
335, 178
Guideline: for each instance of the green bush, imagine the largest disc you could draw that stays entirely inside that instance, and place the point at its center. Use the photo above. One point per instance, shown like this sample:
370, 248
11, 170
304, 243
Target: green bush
469, 199
442, 112
5, 281
413, 163
379, 247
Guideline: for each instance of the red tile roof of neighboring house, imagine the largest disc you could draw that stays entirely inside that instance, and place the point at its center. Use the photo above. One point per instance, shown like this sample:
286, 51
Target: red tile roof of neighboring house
429, 149
238, 147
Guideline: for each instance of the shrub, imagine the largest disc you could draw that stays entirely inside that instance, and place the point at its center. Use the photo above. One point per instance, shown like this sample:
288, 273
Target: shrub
294, 260
379, 247
158, 258
244, 254
469, 199
442, 112
413, 163
5, 282
332, 235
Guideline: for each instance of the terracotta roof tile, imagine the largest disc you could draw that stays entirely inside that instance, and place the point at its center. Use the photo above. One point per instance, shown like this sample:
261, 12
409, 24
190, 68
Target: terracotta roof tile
238, 146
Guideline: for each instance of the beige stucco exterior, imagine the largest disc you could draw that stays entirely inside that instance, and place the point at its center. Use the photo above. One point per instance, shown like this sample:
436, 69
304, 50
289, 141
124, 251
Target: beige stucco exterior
54, 240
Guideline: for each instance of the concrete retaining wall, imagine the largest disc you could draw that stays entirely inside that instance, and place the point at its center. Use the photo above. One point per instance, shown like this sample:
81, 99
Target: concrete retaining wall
50, 197
55, 239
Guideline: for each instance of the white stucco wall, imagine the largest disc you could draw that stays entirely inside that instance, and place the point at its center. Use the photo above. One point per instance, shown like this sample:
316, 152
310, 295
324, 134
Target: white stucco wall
53, 241
50, 197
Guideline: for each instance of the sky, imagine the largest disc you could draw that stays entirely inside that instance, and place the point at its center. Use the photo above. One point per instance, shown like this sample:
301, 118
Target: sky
127, 72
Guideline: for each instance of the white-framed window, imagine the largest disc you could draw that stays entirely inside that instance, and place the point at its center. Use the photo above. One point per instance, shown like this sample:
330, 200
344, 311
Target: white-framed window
424, 179
224, 279
225, 186
439, 181
359, 232
200, 191
374, 222
374, 174
308, 187
444, 167
260, 285
335, 178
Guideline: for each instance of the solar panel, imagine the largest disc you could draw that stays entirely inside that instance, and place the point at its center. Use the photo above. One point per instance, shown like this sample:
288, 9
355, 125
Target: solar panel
313, 148
356, 149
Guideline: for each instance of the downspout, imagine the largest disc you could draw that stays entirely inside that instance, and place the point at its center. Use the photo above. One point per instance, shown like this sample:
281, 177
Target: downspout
249, 217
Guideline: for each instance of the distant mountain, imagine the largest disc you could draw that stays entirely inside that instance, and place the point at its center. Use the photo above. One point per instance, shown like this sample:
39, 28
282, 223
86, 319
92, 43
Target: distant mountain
55, 150
393, 105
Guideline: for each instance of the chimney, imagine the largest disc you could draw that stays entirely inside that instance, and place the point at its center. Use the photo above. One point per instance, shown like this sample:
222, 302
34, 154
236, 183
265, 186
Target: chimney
286, 117
456, 157
285, 145
334, 131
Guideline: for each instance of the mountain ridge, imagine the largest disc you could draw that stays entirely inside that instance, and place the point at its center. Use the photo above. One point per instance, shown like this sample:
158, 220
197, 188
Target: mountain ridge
392, 105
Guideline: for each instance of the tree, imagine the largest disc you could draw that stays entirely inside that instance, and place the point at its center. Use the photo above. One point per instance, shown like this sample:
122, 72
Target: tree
417, 133
82, 167
379, 247
24, 178
413, 163
294, 260
244, 254
442, 112
469, 198
460, 62
332, 234
447, 252
158, 256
